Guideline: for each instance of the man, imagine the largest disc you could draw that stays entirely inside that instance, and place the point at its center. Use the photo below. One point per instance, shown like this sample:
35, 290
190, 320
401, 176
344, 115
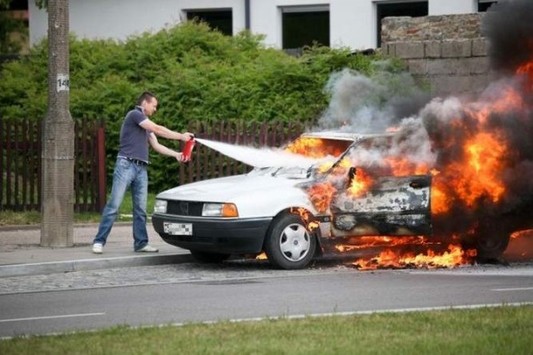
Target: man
136, 134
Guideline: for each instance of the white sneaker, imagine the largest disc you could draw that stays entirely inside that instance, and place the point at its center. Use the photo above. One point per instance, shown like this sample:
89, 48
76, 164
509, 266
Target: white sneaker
147, 249
98, 248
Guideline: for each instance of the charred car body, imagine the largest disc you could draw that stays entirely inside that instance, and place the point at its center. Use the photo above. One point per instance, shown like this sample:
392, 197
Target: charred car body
293, 213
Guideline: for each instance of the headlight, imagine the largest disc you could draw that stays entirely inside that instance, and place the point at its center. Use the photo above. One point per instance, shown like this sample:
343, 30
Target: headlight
220, 210
160, 206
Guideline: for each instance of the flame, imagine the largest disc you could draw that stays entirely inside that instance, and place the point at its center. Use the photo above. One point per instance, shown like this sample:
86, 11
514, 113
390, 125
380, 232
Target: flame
313, 148
261, 256
360, 183
480, 175
453, 257
485, 155
307, 218
321, 195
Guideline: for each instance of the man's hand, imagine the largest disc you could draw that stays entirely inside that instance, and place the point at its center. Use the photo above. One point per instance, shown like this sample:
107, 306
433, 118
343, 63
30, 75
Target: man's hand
181, 158
187, 136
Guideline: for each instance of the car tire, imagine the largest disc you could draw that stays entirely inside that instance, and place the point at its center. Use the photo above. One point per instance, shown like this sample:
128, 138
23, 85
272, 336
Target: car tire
289, 245
209, 258
492, 238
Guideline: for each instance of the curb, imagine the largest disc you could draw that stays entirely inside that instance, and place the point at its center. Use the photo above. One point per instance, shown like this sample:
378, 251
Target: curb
53, 267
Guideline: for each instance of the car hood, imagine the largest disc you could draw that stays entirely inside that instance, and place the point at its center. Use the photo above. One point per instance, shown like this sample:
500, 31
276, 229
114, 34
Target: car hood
230, 189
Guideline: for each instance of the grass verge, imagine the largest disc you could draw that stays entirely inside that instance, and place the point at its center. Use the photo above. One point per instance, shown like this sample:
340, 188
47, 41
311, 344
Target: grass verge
500, 330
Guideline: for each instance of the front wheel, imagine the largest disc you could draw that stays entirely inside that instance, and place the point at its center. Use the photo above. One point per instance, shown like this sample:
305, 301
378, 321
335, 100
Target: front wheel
289, 245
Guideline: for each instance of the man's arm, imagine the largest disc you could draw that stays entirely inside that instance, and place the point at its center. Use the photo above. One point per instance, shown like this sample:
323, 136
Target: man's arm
161, 149
164, 132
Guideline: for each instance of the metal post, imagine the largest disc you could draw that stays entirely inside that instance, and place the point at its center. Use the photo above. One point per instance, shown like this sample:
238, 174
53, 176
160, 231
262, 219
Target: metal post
57, 209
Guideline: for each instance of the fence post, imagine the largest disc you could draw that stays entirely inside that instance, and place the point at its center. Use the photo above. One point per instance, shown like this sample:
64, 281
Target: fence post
100, 154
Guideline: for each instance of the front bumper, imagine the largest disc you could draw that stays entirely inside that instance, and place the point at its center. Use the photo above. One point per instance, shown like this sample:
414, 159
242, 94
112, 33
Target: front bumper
216, 235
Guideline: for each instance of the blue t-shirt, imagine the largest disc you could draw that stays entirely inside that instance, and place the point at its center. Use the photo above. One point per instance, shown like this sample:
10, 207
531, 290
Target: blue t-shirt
134, 138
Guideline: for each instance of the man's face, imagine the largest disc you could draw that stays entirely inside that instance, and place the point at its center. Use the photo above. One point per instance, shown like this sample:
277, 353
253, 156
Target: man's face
150, 107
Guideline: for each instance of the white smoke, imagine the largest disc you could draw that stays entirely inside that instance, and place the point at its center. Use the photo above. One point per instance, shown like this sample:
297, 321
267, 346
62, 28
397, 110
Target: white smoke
363, 104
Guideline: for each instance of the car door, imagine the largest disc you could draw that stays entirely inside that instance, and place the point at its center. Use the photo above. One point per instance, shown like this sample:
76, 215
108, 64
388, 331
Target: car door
394, 205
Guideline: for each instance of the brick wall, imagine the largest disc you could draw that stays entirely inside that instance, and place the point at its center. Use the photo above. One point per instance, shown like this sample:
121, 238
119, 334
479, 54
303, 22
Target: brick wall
447, 52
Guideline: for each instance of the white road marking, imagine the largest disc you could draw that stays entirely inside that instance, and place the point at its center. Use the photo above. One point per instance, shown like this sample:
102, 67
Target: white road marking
51, 317
513, 289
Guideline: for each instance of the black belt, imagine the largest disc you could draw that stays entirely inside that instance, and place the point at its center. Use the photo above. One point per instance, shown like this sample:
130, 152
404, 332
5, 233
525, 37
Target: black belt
136, 161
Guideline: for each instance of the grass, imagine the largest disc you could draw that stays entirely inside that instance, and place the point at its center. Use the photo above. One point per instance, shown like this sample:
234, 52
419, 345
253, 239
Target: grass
500, 330
34, 217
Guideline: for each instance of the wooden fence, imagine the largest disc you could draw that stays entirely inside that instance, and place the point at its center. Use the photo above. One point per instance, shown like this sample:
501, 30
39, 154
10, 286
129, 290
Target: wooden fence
20, 158
20, 165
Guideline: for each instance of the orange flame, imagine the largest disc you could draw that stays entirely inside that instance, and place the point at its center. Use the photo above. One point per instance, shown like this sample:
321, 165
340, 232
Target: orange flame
360, 184
321, 196
453, 257
313, 148
261, 256
306, 217
485, 153
480, 176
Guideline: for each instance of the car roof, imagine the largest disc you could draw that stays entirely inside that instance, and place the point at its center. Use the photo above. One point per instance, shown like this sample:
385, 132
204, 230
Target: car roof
347, 136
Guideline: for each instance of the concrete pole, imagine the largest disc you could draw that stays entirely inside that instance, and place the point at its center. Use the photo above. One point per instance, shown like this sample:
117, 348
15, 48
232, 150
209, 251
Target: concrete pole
57, 208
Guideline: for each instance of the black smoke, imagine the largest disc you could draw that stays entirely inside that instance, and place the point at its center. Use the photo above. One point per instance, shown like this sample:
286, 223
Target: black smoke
509, 27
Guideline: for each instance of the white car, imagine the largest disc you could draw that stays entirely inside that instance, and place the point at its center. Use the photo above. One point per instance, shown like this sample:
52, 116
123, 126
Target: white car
293, 213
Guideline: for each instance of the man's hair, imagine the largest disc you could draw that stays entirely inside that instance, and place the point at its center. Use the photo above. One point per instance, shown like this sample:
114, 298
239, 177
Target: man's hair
147, 95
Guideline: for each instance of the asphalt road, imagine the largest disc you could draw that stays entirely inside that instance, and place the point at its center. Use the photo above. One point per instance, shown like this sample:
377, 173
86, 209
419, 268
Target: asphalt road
177, 294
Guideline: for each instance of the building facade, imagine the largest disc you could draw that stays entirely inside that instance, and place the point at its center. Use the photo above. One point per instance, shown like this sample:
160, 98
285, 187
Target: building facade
286, 24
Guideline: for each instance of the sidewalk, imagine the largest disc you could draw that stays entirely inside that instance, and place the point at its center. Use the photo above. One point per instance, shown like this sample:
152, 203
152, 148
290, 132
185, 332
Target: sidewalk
21, 254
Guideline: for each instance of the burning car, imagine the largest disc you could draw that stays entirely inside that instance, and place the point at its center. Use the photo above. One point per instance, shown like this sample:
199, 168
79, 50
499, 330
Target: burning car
456, 171
293, 213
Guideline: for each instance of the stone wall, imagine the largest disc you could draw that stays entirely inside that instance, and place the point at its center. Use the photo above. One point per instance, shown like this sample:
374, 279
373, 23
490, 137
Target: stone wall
447, 52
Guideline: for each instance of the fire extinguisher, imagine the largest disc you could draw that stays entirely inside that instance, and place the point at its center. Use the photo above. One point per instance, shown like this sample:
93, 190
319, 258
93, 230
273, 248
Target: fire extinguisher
187, 150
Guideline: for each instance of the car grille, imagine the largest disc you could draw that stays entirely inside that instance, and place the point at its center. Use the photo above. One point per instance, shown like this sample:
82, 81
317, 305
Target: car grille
184, 208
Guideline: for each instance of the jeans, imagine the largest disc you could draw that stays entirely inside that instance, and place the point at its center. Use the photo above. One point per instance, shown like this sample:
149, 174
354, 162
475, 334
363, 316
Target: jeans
126, 174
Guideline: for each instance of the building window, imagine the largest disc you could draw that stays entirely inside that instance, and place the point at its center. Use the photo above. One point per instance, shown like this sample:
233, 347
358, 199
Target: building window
304, 26
220, 19
412, 9
483, 5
